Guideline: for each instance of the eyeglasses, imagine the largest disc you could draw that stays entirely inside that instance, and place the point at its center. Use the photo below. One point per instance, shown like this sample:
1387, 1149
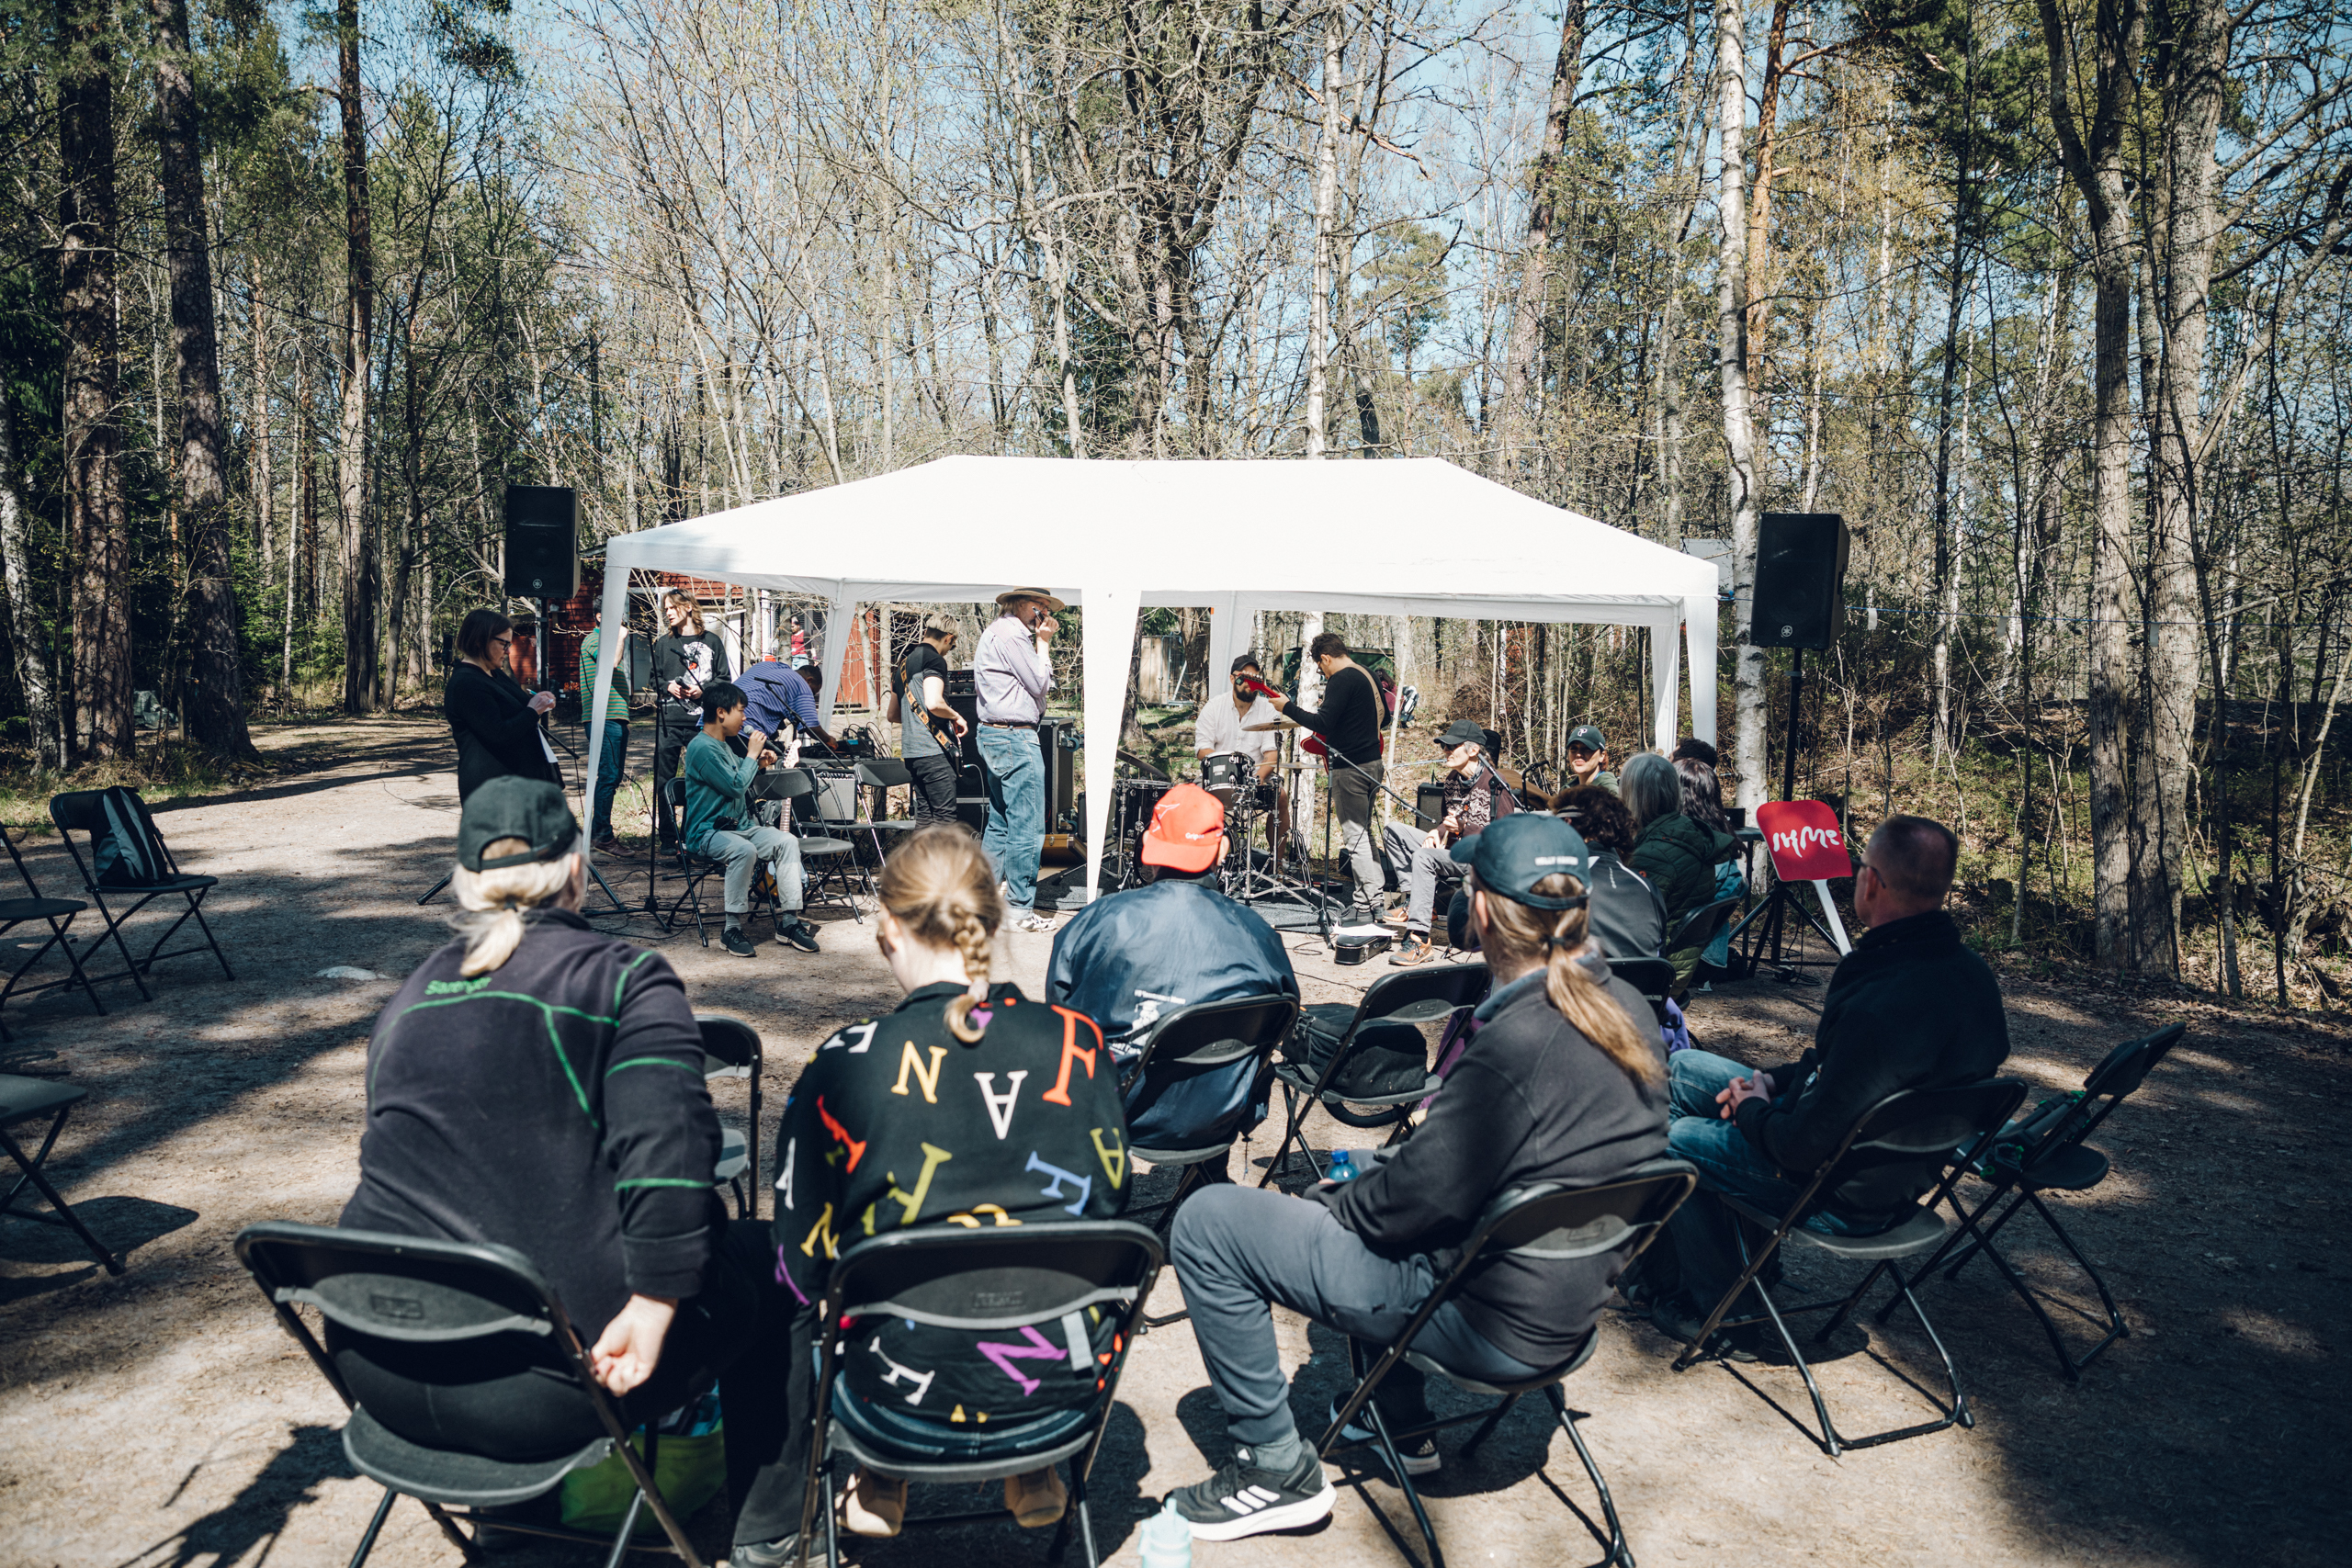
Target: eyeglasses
501, 642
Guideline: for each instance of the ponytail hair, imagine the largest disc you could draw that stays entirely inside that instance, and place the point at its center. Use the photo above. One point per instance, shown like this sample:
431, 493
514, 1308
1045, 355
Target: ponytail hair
940, 889
1517, 935
493, 901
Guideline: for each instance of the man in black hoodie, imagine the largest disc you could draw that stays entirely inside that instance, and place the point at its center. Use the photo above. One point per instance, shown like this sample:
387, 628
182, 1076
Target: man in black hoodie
1910, 1007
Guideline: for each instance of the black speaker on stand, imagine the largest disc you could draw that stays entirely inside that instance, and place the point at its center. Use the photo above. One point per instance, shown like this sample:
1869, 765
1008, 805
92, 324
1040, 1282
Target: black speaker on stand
1799, 603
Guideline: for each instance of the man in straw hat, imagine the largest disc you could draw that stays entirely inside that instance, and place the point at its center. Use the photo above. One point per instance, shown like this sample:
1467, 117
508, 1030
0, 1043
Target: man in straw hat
1013, 669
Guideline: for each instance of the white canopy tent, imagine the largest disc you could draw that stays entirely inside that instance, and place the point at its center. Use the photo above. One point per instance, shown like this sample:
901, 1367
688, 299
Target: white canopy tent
1409, 536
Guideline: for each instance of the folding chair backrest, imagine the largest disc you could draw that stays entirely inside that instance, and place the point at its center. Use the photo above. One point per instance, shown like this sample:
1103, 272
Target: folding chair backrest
1552, 1221
2118, 1076
23, 871
728, 1044
885, 773
413, 1291
1654, 977
1425, 994
787, 784
2127, 1066
1033, 1273
1916, 1123
1699, 927
1206, 1033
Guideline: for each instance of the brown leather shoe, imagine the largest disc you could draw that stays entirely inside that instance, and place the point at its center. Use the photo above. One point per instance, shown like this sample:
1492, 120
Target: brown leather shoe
1036, 1499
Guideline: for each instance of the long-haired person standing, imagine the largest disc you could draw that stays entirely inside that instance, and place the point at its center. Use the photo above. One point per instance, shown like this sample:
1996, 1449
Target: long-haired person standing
493, 720
1558, 1085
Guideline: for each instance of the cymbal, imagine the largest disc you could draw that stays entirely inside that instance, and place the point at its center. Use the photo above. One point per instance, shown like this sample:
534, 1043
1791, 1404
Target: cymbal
1148, 770
1272, 723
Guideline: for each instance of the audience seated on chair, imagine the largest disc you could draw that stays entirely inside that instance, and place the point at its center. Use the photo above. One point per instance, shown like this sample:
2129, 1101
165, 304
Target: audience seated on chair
969, 1105
1910, 1007
1475, 795
1628, 915
1703, 802
1558, 1085
719, 825
1128, 959
537, 1085
1675, 855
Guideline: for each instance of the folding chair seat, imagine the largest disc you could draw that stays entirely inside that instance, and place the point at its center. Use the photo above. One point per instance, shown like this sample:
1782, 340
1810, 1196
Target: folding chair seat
57, 914
492, 1305
1916, 1123
1547, 1222
2043, 1153
732, 1049
151, 873
885, 773
1035, 1274
1206, 1034
825, 861
1389, 1016
21, 1099
1654, 977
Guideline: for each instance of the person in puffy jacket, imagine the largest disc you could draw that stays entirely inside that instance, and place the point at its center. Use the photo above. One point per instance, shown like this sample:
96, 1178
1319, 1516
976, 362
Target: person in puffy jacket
1674, 853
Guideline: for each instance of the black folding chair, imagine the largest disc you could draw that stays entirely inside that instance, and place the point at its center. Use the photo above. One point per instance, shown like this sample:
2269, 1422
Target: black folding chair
1697, 929
695, 869
885, 773
58, 915
732, 1049
1041, 1272
1395, 1005
492, 1301
2026, 1160
1546, 1223
1206, 1034
1654, 977
825, 861
21, 1099
1915, 1125
84, 812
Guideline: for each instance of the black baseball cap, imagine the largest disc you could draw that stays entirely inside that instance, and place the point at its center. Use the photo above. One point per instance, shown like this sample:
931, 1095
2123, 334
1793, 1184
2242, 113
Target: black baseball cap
1459, 731
1517, 851
1587, 734
511, 806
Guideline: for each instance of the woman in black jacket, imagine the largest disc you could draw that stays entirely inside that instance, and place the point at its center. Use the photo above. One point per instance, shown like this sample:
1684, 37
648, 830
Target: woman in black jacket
495, 725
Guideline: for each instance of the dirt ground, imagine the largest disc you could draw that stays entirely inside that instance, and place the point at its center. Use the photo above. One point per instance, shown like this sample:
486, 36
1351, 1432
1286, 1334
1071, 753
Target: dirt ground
163, 1418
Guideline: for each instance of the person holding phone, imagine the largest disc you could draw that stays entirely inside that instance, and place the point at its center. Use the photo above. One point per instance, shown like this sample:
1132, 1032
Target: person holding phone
1013, 669
496, 727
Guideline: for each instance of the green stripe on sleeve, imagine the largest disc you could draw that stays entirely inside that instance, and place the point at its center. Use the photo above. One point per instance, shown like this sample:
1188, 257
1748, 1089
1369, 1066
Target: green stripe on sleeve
660, 1181
652, 1062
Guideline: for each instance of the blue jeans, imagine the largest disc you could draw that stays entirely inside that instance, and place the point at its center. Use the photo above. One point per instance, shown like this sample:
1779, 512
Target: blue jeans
1701, 1231
1016, 830
608, 777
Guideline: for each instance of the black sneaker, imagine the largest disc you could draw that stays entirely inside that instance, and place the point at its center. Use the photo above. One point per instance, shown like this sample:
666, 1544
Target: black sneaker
1677, 1321
799, 934
1419, 1454
733, 940
1241, 1499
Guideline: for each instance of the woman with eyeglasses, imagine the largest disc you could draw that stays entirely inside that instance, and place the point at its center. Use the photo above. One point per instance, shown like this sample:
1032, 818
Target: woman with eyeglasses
495, 724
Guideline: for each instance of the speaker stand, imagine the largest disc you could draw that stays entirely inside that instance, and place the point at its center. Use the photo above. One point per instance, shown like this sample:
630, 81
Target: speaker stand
1774, 910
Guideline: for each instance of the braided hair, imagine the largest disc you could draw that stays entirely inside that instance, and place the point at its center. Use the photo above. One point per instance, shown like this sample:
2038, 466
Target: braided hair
940, 887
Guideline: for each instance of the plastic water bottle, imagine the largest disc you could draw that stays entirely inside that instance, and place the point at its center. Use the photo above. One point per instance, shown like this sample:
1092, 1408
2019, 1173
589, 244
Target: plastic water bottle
1167, 1540
1343, 1166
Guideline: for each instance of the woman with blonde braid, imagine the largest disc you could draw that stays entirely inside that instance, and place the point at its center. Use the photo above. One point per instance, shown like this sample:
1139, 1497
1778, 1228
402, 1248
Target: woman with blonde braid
1558, 1085
970, 1104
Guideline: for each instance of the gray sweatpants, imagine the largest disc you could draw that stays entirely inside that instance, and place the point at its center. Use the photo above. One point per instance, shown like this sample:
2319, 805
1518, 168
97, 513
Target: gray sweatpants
1236, 1249
743, 851
1421, 869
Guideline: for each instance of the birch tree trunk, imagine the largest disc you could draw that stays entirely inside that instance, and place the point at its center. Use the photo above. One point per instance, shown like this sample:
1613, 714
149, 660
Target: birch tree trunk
1327, 201
1748, 749
214, 701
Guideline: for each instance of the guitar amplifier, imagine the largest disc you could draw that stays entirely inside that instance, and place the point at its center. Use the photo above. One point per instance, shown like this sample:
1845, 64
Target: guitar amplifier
964, 696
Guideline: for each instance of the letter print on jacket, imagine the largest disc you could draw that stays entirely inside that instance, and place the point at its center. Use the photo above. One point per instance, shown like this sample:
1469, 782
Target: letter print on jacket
896, 1124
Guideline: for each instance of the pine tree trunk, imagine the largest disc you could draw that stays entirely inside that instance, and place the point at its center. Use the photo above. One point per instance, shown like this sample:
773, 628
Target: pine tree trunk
362, 579
33, 674
1522, 368
1748, 749
214, 700
97, 528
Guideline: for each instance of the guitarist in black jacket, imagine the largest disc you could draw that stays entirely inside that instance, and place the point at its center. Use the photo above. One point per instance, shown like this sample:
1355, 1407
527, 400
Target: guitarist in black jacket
1910, 1007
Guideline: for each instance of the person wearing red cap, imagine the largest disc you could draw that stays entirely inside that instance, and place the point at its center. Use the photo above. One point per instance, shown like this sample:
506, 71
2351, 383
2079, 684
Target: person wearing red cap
1131, 957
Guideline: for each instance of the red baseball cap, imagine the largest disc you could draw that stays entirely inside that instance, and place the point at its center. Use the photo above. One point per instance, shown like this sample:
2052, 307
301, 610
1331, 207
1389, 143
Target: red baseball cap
1187, 831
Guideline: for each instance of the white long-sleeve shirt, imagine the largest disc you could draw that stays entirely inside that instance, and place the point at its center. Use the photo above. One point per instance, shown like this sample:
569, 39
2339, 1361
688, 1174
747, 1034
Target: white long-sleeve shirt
1011, 673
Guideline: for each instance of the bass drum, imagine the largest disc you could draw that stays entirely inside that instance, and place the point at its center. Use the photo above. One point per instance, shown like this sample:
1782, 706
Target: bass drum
1132, 803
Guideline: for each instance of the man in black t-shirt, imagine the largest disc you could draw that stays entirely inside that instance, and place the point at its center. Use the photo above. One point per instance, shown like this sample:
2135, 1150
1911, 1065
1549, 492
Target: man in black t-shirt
1350, 722
686, 661
931, 732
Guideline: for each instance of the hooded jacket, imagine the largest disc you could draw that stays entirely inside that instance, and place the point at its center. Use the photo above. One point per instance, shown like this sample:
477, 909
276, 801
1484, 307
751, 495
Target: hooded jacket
1677, 857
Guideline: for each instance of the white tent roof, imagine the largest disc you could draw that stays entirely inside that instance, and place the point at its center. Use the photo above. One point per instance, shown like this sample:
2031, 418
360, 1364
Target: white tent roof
1409, 536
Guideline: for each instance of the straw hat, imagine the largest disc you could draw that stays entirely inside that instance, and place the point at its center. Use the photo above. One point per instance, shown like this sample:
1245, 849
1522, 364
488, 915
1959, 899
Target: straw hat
1052, 604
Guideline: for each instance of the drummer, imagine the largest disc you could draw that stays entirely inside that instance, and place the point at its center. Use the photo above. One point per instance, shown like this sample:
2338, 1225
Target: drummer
1237, 722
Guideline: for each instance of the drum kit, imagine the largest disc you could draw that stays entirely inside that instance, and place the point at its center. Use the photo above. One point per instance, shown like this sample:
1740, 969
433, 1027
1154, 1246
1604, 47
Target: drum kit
1247, 875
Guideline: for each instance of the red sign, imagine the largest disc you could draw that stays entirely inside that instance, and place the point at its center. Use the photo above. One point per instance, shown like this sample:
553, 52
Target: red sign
1803, 841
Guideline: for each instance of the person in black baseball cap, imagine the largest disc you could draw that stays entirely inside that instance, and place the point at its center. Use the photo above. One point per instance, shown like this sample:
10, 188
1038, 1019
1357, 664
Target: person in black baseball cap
1475, 795
1589, 760
1559, 1084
